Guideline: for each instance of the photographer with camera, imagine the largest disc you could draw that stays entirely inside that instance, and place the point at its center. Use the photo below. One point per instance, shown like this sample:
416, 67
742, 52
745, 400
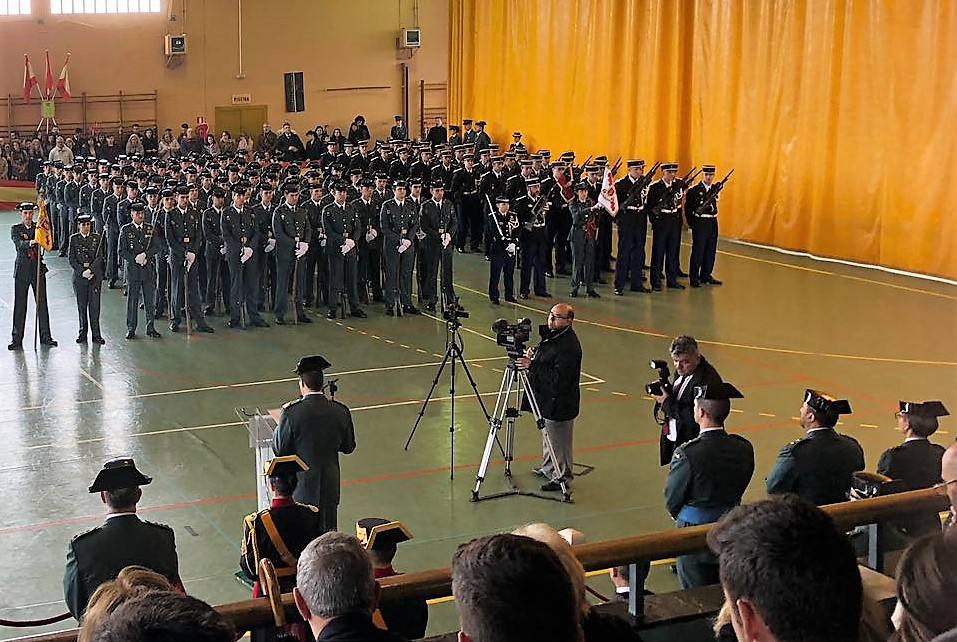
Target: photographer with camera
675, 399
554, 371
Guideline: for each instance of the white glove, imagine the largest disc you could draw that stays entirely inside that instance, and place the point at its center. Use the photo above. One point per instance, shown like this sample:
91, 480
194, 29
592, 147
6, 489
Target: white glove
371, 236
510, 248
348, 245
222, 250
301, 249
270, 245
247, 254
140, 258
87, 274
404, 244
322, 240
420, 235
190, 259
446, 239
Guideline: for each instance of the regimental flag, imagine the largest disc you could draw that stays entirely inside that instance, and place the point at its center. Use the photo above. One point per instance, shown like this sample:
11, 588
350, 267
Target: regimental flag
63, 83
48, 84
44, 232
608, 198
29, 78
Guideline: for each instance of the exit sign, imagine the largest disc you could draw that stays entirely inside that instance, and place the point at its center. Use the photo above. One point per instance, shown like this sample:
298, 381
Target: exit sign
242, 99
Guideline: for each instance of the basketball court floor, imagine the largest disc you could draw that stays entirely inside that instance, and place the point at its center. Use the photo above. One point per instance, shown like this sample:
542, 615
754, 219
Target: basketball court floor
780, 324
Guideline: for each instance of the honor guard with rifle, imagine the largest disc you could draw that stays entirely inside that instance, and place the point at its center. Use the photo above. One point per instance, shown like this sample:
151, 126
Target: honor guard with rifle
399, 223
138, 248
370, 244
86, 259
341, 226
216, 284
492, 185
241, 239
294, 234
161, 289
265, 255
465, 182
701, 210
582, 238
29, 271
530, 207
437, 222
184, 232
314, 265
663, 208
632, 227
112, 228
502, 230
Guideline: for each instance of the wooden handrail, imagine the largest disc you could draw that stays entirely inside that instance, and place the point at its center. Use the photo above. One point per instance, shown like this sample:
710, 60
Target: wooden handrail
434, 583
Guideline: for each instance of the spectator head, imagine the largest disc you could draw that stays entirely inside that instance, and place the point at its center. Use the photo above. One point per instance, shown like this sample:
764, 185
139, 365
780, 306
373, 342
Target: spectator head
948, 471
712, 403
310, 374
210, 140
360, 120
821, 410
165, 616
60, 142
788, 572
560, 316
118, 484
926, 586
510, 588
286, 127
136, 127
684, 353
334, 578
919, 419
132, 582
552, 538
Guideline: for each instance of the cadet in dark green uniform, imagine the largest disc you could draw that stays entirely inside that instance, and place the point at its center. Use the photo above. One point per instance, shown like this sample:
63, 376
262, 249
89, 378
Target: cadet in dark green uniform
341, 225
98, 555
582, 239
28, 274
294, 234
399, 223
437, 221
819, 466
138, 248
85, 251
917, 461
281, 532
316, 429
708, 476
380, 537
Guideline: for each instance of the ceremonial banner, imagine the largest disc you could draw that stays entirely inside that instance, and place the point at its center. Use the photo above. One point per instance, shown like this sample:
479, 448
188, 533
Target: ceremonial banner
29, 78
44, 232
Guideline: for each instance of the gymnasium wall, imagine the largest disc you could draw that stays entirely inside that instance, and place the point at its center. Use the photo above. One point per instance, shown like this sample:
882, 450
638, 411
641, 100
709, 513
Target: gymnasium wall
336, 43
836, 116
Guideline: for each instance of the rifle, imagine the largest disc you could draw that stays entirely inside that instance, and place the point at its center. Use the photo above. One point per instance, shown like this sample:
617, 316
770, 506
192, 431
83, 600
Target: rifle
676, 186
643, 183
616, 167
713, 194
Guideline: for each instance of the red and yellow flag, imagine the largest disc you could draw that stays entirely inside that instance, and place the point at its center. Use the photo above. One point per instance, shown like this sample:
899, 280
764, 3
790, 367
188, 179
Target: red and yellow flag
44, 230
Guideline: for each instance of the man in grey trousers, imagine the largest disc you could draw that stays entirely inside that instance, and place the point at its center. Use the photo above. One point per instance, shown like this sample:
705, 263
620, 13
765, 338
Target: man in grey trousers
554, 370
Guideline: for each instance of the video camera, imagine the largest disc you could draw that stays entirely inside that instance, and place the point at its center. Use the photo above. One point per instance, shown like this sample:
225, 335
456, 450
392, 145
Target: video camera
513, 336
452, 312
662, 385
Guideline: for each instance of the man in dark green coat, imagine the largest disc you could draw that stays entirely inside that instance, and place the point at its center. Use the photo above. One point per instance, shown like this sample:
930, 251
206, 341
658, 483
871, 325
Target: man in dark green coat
98, 555
316, 429
819, 466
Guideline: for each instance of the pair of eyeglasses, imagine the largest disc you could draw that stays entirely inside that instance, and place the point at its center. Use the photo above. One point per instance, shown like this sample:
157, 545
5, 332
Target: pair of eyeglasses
557, 316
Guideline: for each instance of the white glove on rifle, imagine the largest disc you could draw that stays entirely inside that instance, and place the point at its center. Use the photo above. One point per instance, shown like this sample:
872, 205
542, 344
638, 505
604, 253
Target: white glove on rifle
246, 254
446, 239
322, 240
510, 248
222, 250
270, 245
371, 235
140, 258
190, 259
420, 235
404, 244
87, 274
301, 249
347, 246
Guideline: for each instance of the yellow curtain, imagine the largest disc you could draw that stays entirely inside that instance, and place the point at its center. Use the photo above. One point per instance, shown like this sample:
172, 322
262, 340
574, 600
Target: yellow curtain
837, 115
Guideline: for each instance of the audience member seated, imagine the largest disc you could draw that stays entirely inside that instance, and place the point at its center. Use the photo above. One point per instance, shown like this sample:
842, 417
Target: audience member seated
132, 582
336, 593
788, 573
99, 555
510, 588
409, 617
926, 589
165, 616
596, 625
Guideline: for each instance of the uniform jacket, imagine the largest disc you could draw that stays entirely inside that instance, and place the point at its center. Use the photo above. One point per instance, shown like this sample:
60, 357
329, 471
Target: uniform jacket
398, 221
817, 467
134, 241
340, 223
711, 471
436, 219
694, 198
85, 254
25, 265
239, 231
916, 462
296, 524
184, 233
317, 429
290, 226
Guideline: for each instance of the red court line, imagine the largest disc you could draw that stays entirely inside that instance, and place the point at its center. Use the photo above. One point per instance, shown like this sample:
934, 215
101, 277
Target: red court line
374, 479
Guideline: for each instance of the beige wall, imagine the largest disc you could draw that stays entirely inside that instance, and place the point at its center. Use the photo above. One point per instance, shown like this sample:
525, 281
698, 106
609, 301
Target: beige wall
336, 43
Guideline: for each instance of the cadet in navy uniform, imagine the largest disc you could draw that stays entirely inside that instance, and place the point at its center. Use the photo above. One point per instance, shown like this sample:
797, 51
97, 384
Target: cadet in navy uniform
25, 276
316, 429
281, 532
341, 225
704, 229
501, 230
294, 235
530, 207
86, 259
662, 207
632, 229
708, 477
465, 194
184, 235
438, 223
917, 461
407, 617
138, 247
98, 555
399, 222
819, 466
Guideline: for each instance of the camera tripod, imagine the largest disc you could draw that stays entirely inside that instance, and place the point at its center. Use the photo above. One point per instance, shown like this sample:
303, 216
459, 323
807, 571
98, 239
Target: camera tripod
453, 356
517, 380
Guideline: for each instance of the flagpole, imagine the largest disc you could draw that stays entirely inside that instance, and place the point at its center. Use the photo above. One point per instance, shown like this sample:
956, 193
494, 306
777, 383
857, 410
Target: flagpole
36, 298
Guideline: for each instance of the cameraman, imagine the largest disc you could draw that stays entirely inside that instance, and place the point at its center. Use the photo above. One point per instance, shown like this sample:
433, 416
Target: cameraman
691, 370
554, 370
